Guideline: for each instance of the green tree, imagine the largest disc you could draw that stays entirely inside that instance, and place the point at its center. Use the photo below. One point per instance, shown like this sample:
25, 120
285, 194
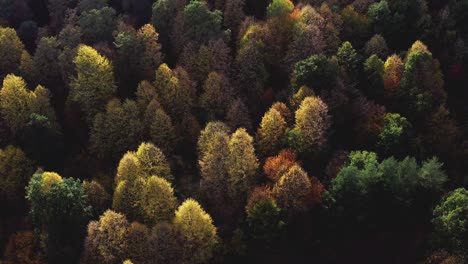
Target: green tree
60, 211
363, 187
347, 58
392, 136
11, 49
270, 133
316, 72
422, 85
94, 83
450, 222
201, 24
98, 24
42, 141
197, 231
374, 71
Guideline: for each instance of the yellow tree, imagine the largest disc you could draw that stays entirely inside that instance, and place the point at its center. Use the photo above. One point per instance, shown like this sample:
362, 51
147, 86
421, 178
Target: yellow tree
198, 234
242, 164
94, 83
313, 121
270, 132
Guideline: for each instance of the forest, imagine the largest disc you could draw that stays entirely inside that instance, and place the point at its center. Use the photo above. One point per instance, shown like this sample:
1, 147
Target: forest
233, 131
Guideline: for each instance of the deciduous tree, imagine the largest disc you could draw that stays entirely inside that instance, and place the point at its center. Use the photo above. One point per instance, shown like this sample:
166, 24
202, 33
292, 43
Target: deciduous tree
198, 234
94, 83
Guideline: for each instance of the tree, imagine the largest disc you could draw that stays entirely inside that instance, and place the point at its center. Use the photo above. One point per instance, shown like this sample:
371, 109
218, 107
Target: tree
97, 25
128, 168
251, 70
347, 58
214, 167
283, 109
450, 222
216, 95
374, 70
200, 24
242, 164
356, 26
152, 56
233, 15
138, 246
215, 56
162, 19
116, 130
128, 198
11, 49
42, 141
278, 165
207, 134
313, 121
316, 72
299, 96
238, 116
15, 102
394, 133
57, 10
106, 240
197, 231
279, 8
165, 241
88, 5
293, 191
307, 37
331, 29
152, 161
46, 64
393, 71
263, 218
422, 85
94, 84
60, 211
158, 201
97, 197
27, 32
377, 46
175, 97
15, 170
270, 132
364, 187
161, 130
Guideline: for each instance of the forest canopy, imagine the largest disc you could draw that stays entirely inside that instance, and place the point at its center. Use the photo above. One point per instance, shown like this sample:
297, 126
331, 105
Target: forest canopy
255, 131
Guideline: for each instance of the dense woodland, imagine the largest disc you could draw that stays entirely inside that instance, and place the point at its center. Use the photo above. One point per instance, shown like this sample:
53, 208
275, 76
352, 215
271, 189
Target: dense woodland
233, 131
